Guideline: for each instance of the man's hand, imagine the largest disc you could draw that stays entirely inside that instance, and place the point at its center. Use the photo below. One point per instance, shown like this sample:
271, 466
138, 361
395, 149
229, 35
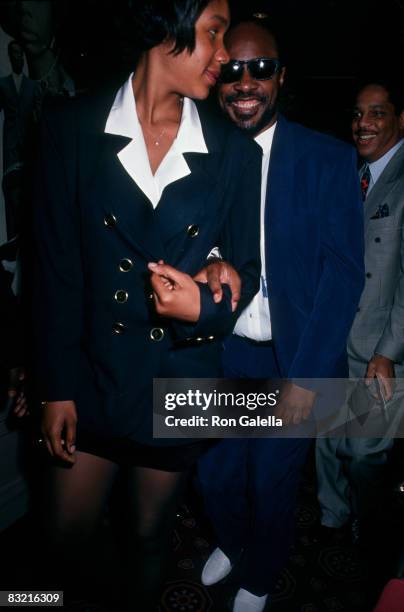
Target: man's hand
383, 369
176, 294
295, 404
59, 421
218, 273
16, 392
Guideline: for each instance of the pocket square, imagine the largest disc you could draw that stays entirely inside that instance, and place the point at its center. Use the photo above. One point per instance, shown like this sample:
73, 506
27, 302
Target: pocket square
382, 211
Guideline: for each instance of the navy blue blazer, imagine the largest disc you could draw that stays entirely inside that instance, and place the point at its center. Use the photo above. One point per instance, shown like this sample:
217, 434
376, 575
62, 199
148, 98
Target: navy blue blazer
314, 250
97, 338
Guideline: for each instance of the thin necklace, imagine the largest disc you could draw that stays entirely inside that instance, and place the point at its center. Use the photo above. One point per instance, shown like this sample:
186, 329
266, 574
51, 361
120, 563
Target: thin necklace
163, 131
159, 137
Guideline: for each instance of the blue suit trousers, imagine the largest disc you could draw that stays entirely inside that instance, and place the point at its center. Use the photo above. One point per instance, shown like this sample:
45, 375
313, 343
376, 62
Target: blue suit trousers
250, 485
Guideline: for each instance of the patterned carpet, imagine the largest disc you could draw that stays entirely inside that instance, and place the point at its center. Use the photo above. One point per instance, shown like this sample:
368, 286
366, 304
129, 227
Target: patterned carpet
318, 577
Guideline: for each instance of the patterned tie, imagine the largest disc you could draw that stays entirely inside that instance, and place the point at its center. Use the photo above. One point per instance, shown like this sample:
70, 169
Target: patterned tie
365, 180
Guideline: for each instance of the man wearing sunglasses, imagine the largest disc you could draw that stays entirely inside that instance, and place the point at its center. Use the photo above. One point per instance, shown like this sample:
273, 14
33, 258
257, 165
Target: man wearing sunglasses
295, 327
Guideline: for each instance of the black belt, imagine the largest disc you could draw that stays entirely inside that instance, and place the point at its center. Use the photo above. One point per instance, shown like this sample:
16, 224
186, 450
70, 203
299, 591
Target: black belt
252, 342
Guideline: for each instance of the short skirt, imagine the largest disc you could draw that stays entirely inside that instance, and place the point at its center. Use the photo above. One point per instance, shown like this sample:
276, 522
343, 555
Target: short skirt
129, 453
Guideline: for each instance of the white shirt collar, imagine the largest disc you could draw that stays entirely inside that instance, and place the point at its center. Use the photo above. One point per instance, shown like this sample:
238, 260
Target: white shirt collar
123, 121
265, 139
190, 136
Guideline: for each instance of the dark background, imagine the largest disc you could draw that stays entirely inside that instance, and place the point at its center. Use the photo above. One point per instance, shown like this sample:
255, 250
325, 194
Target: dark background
328, 44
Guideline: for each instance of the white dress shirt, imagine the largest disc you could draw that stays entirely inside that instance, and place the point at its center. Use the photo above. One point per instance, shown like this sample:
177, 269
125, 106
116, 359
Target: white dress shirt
123, 121
255, 320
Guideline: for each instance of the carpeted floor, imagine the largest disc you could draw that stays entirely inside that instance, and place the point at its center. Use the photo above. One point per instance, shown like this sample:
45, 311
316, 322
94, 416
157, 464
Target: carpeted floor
318, 578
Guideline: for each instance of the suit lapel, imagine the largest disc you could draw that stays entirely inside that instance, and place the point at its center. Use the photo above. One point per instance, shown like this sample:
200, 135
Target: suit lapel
183, 203
186, 201
279, 194
122, 197
385, 183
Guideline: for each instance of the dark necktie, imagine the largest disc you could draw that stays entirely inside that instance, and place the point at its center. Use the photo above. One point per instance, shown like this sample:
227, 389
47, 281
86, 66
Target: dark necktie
365, 180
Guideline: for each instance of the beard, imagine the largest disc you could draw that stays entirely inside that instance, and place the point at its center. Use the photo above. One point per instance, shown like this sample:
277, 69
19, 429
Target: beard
251, 125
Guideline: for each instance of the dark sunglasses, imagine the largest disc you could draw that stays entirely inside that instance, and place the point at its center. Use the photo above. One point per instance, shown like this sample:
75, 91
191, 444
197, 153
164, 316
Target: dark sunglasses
259, 68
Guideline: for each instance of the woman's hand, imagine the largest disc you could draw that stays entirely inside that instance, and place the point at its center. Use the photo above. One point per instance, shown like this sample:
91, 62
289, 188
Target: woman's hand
59, 429
176, 294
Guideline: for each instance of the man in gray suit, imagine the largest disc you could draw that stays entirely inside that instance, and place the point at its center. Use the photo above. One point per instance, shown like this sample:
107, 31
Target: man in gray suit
350, 470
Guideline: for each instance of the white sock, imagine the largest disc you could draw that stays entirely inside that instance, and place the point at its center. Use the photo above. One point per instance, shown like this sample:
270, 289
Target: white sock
247, 602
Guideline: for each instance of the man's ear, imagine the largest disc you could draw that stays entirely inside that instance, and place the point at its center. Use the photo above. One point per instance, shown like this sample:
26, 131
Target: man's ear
282, 75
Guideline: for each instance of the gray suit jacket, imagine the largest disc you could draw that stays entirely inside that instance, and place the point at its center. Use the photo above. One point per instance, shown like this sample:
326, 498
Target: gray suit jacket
18, 114
379, 323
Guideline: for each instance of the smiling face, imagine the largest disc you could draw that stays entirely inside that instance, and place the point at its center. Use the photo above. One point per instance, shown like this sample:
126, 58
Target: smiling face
251, 103
194, 74
376, 127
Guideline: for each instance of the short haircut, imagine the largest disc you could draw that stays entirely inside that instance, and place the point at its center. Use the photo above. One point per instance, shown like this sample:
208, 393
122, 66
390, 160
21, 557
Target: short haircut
154, 21
263, 21
393, 86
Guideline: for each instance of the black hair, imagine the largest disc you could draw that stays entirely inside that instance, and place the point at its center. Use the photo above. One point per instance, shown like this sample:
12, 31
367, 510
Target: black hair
154, 21
393, 86
264, 21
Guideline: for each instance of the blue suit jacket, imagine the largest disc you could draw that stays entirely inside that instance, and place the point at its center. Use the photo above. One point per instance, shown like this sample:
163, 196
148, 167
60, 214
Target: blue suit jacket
314, 250
89, 216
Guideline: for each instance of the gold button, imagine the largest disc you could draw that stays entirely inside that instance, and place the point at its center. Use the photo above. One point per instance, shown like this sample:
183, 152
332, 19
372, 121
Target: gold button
118, 328
211, 338
157, 334
126, 264
193, 231
110, 220
198, 339
121, 296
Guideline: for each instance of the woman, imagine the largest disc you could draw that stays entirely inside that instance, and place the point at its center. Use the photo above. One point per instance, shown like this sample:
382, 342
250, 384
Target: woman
126, 181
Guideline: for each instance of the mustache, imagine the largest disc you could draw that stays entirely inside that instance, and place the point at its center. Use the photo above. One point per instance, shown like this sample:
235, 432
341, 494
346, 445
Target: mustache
230, 98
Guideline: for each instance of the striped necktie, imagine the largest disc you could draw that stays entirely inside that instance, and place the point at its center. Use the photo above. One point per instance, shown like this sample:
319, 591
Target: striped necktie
365, 180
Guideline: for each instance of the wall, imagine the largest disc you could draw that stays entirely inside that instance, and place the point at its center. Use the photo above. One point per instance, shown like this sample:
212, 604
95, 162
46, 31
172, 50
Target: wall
13, 488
